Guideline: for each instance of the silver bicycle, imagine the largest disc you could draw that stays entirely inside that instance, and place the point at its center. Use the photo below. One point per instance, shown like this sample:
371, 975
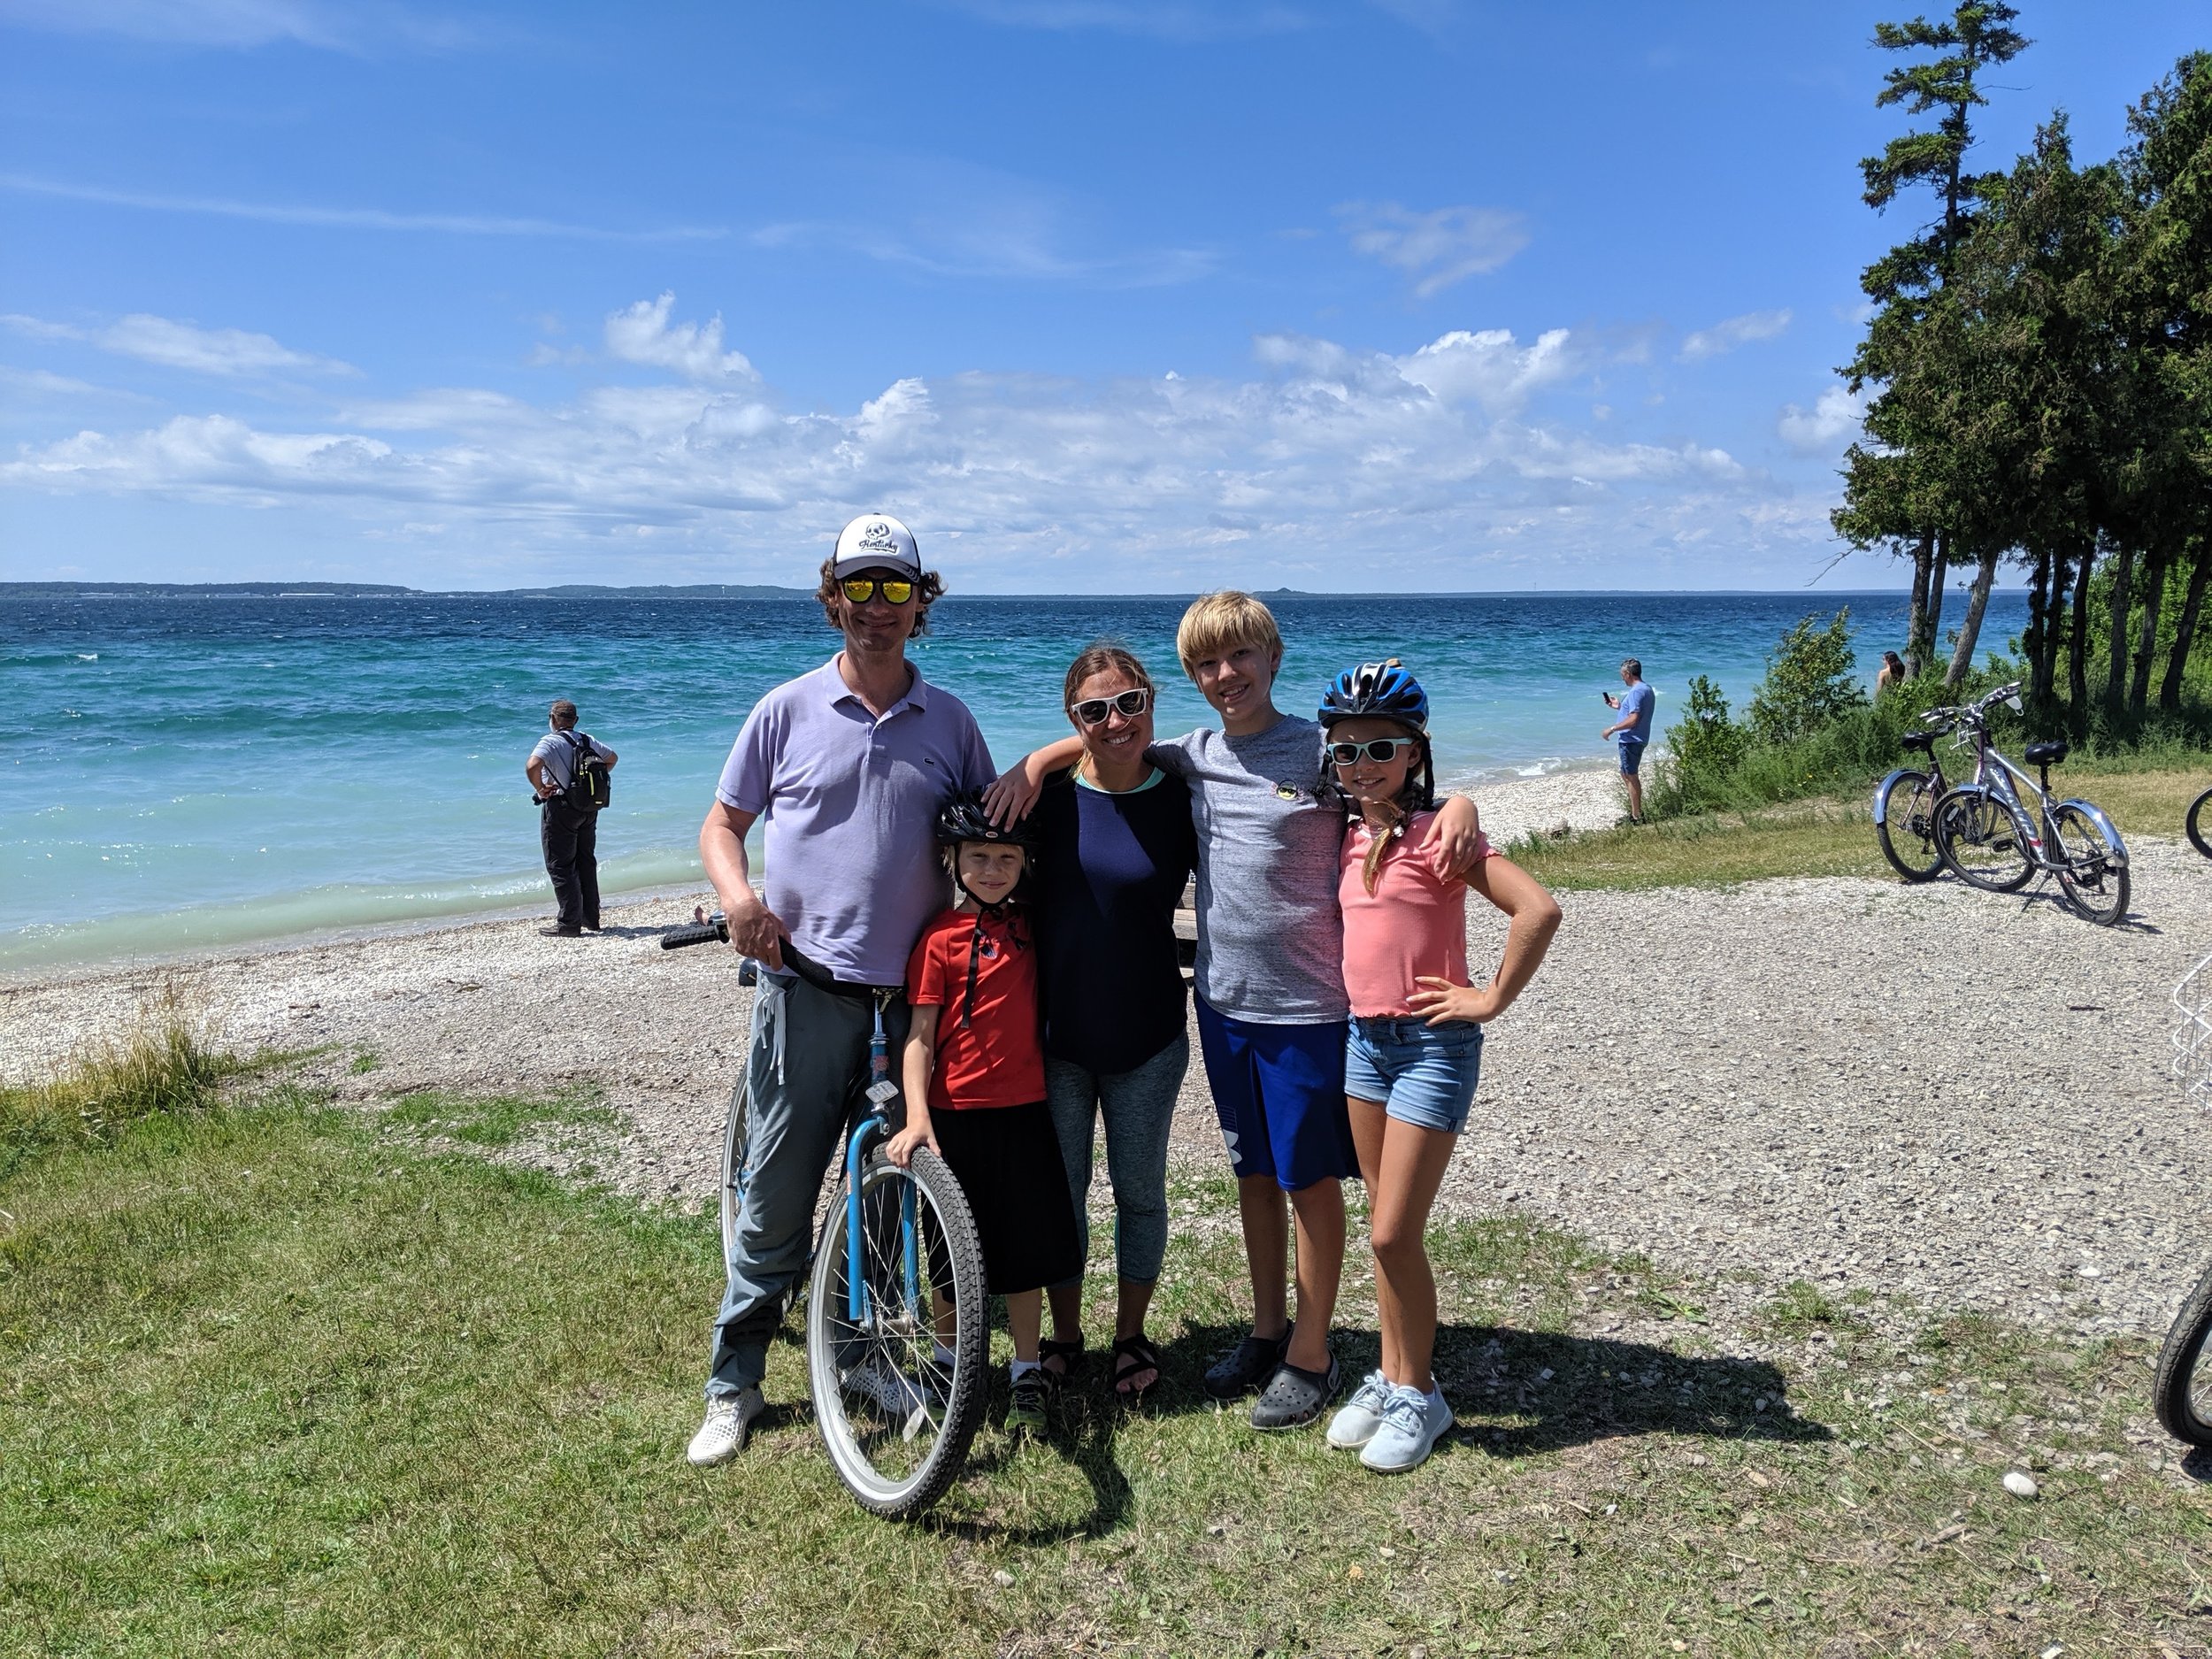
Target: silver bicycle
2181, 1386
1990, 839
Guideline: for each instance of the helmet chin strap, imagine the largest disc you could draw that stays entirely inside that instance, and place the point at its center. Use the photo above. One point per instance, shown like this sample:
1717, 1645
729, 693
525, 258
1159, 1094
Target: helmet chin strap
984, 911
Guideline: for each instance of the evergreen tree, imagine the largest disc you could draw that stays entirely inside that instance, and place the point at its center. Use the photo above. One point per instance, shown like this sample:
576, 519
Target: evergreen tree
1897, 493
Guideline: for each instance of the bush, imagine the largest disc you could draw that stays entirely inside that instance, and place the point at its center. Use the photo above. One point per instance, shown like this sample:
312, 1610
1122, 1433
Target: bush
1703, 750
1811, 682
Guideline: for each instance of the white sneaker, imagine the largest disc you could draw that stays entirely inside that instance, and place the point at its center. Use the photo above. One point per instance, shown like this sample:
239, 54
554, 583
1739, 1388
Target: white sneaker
729, 1416
1358, 1419
899, 1394
1411, 1423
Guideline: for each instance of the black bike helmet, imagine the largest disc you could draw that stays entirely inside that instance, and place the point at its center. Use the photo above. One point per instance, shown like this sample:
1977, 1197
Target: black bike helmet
963, 819
1383, 690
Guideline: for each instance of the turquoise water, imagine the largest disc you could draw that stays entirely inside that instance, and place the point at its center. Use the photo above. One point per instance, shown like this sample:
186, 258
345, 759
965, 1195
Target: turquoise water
194, 773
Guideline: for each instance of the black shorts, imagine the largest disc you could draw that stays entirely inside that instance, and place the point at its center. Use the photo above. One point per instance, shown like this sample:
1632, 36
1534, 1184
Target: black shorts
1007, 1159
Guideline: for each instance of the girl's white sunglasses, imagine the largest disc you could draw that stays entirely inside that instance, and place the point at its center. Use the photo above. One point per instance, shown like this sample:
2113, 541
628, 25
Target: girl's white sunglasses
1130, 704
1384, 750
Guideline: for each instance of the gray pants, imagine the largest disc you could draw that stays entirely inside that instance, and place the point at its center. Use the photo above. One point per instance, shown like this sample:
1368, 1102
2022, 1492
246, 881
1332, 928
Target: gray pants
1138, 1106
807, 1071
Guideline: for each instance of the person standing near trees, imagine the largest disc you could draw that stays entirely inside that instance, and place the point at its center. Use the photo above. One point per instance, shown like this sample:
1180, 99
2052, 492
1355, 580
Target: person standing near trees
560, 771
1632, 730
1892, 673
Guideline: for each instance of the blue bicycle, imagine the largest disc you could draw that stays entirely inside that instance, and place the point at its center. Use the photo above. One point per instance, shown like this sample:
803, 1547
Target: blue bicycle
897, 1333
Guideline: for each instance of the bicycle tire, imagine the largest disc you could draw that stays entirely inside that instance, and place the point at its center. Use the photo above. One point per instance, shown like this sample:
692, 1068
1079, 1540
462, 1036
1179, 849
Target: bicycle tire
2182, 1410
2194, 824
1984, 840
2093, 873
1904, 823
871, 1446
736, 1128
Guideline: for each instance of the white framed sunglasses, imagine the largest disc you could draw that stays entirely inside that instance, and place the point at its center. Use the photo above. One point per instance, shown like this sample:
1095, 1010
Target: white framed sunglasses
1381, 749
1129, 705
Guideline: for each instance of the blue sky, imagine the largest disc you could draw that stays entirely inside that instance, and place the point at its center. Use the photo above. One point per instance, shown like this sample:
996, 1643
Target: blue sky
1098, 294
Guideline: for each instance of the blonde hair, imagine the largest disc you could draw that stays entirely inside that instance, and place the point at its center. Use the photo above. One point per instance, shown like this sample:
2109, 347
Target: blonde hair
1217, 622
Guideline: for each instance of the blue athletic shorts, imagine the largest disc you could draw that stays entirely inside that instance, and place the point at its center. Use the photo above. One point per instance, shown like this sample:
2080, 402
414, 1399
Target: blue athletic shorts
1279, 1091
1632, 756
1419, 1073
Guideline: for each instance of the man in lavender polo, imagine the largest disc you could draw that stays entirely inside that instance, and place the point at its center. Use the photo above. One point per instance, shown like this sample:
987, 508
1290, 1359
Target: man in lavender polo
847, 765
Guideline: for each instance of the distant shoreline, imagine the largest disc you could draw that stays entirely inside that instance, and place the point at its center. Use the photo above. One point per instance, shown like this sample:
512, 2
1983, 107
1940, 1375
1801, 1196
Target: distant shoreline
745, 590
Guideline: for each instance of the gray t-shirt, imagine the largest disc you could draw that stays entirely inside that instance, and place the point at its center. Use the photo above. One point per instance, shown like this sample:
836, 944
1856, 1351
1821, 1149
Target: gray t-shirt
1270, 939
557, 756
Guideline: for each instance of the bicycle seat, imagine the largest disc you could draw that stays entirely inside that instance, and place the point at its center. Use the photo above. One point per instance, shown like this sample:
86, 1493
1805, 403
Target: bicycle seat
1919, 740
2046, 753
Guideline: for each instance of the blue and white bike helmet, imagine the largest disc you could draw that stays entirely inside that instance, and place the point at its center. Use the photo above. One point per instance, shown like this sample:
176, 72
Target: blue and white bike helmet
1384, 691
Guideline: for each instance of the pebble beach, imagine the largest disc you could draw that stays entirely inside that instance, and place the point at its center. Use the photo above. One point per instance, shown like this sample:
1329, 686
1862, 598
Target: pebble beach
1954, 1098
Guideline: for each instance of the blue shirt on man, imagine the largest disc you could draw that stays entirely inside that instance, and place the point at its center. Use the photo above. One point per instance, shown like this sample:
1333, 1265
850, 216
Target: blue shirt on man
1637, 700
848, 805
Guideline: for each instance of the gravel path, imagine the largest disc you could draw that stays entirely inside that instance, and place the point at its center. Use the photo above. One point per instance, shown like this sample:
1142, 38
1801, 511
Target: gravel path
1929, 1091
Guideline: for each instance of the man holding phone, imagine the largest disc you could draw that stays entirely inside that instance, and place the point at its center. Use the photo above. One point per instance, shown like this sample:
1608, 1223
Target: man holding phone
1633, 731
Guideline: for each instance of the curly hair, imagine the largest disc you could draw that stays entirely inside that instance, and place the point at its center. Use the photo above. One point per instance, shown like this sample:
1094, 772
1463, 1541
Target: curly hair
927, 591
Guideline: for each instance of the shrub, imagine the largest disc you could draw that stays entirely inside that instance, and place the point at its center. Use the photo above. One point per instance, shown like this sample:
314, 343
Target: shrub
1703, 750
1811, 682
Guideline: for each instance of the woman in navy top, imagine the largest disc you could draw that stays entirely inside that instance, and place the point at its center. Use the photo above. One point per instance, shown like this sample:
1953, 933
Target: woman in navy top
1115, 849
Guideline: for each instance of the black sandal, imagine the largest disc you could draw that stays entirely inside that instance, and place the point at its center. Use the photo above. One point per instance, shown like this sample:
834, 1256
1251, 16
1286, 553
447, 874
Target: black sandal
1067, 1352
1131, 1355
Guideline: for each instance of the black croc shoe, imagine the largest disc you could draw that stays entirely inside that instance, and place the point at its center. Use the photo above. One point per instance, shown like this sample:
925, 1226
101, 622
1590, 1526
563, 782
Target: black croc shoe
1295, 1398
1246, 1366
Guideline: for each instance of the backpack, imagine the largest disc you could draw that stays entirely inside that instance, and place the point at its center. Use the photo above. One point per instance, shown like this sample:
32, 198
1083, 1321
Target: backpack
589, 786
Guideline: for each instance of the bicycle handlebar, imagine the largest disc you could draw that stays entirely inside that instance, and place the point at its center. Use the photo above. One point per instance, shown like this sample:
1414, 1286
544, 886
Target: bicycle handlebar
714, 930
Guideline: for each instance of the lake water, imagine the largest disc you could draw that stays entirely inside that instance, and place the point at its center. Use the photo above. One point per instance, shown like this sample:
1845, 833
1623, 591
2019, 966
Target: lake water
192, 772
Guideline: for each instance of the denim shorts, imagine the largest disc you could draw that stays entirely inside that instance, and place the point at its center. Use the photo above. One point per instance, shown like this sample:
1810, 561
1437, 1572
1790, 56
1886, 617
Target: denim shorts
1419, 1073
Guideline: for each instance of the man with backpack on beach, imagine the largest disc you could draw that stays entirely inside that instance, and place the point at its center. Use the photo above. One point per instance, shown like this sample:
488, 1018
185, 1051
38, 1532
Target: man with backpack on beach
568, 775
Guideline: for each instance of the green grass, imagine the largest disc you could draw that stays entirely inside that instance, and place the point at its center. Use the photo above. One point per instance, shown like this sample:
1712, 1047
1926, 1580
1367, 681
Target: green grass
1818, 838
498, 1120
276, 1380
161, 1061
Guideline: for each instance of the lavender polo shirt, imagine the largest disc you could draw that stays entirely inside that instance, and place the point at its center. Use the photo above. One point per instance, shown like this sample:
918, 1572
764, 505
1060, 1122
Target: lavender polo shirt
849, 808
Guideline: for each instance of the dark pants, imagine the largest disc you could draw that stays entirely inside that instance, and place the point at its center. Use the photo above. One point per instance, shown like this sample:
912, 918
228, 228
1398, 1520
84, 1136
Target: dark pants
571, 837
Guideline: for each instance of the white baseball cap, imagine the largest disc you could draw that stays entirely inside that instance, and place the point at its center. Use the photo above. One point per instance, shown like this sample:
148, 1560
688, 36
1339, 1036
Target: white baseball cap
876, 540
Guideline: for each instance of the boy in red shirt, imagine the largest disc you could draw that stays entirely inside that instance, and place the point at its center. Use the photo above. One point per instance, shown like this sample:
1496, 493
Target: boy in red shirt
974, 1072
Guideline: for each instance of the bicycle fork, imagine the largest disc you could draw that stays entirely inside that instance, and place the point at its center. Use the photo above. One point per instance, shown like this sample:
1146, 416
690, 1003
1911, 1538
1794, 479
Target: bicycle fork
881, 1092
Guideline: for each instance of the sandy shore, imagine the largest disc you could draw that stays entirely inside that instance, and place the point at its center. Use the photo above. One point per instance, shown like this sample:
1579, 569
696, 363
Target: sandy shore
1930, 1091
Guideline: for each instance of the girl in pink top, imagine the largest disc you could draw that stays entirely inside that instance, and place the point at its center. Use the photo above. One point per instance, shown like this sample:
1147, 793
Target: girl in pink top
1414, 1048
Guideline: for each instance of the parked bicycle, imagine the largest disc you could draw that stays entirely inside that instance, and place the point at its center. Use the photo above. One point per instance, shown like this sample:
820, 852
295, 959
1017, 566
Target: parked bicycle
1989, 839
2181, 1384
894, 1246
1905, 802
2199, 823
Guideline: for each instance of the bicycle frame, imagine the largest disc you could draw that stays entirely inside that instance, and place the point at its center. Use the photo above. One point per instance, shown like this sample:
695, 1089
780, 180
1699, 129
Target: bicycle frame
873, 1127
1997, 774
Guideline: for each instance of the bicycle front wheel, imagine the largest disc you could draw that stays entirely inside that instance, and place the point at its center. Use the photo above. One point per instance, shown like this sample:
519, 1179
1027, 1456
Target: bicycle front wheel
1984, 841
2093, 873
2200, 822
2181, 1390
897, 1419
1905, 825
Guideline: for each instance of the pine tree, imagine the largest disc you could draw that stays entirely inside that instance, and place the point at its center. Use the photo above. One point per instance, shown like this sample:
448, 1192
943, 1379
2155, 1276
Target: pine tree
1893, 493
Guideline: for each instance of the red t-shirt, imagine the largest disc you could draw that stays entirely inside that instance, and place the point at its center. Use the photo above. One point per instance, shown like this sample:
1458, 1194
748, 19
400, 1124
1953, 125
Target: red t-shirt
998, 1057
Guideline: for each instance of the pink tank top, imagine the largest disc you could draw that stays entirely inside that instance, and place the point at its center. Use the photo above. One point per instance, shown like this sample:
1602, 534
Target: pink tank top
1413, 924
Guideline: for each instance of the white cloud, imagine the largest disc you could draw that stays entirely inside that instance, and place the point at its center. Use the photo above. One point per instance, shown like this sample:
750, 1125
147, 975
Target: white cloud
228, 352
1823, 428
1733, 332
642, 334
237, 23
1435, 249
1335, 462
314, 216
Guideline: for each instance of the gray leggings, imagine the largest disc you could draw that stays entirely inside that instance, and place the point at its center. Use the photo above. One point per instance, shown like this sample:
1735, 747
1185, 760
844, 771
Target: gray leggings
1138, 1106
